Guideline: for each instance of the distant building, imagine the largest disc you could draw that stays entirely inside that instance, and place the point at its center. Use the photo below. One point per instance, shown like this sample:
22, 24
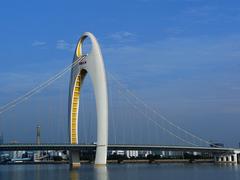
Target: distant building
166, 153
28, 154
197, 153
17, 154
38, 138
37, 154
144, 153
132, 153
118, 152
176, 154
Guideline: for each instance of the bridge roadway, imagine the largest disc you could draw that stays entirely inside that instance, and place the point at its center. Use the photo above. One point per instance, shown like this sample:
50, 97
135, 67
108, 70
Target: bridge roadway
70, 147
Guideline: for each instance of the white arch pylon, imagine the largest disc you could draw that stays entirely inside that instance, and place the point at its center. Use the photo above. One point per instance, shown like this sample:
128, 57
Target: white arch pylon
93, 65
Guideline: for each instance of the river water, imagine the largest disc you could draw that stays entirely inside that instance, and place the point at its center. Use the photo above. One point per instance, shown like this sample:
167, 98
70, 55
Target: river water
122, 172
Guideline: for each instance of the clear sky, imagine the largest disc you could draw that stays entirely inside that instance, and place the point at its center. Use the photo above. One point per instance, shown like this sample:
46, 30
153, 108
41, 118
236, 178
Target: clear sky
180, 56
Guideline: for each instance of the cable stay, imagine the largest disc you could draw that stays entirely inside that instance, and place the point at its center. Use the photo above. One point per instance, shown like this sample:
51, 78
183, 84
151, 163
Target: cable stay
159, 125
156, 112
130, 98
39, 88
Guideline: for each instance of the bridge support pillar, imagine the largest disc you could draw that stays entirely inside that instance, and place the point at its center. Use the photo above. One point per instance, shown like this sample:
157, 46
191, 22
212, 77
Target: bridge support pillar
74, 159
224, 159
234, 158
227, 158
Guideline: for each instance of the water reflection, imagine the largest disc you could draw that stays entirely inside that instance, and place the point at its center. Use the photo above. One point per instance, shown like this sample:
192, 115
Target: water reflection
119, 172
89, 172
37, 173
101, 172
74, 174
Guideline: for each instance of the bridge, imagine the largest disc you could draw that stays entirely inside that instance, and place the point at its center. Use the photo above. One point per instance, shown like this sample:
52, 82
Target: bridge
221, 154
112, 147
93, 65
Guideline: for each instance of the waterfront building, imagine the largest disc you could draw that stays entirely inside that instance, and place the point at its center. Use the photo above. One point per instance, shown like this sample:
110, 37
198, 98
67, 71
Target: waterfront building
118, 152
17, 154
37, 154
132, 153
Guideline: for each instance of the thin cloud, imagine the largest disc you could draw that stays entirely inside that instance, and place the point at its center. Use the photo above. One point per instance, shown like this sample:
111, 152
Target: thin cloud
38, 43
63, 45
122, 36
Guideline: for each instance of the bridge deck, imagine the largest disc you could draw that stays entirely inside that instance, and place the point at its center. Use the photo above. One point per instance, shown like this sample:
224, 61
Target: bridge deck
32, 147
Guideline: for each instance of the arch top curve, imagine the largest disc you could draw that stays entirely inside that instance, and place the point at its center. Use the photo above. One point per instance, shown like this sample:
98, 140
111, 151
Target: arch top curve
79, 51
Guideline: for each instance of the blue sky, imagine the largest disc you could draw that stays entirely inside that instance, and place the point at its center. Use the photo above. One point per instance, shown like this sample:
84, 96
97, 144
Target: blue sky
180, 56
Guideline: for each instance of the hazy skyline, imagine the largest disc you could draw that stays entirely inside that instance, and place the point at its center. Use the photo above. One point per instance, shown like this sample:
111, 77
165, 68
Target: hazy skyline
181, 57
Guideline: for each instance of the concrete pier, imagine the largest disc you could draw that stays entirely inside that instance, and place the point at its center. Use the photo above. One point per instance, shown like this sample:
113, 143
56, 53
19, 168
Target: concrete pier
227, 158
74, 159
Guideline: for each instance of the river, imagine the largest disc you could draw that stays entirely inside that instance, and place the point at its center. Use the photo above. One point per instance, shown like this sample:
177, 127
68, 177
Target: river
122, 172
